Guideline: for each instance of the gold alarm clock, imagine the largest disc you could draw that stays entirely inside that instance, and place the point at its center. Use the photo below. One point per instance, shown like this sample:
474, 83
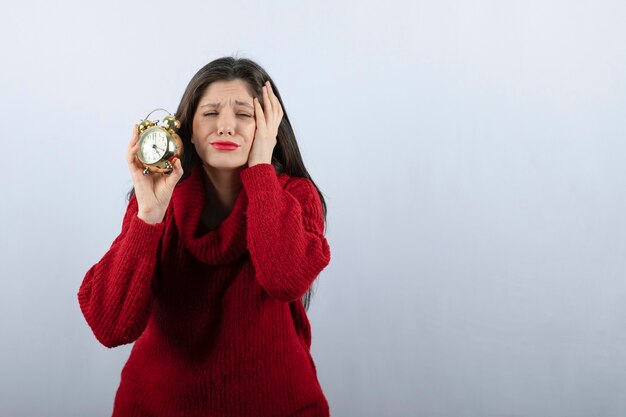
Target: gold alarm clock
158, 144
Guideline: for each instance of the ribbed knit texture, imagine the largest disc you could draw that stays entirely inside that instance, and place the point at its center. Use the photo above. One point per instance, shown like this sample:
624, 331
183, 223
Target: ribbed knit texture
216, 316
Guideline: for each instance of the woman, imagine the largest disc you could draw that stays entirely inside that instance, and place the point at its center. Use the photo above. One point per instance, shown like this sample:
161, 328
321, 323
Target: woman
214, 260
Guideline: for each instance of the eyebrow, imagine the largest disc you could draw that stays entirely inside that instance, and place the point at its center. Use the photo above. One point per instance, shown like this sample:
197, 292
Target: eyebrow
240, 103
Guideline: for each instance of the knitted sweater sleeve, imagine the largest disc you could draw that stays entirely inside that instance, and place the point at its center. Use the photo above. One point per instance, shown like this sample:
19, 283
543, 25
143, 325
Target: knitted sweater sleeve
115, 295
285, 232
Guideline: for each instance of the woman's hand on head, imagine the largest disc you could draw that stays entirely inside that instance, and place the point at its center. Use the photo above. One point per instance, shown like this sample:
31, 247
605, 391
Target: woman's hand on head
267, 123
154, 190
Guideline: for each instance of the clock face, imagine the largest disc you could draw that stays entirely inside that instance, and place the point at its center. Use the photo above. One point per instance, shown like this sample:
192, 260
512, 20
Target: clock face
153, 144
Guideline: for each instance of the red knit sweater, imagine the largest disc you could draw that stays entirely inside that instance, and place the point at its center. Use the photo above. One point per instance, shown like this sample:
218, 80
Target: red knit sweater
217, 316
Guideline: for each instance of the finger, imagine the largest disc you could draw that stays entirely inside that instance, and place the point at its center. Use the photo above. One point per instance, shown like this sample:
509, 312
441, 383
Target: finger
133, 147
130, 155
266, 99
157, 170
277, 110
259, 115
176, 173
136, 167
135, 134
133, 137
275, 102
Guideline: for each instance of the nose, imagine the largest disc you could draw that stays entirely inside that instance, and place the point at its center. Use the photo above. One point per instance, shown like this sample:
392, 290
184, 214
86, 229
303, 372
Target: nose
226, 125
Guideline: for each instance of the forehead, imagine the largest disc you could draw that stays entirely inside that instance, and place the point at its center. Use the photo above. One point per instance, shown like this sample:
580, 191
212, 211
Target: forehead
236, 89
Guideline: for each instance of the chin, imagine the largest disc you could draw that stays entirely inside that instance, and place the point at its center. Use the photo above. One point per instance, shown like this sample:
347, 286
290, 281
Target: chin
225, 163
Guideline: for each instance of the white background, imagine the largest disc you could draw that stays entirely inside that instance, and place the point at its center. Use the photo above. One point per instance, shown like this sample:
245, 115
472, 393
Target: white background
471, 154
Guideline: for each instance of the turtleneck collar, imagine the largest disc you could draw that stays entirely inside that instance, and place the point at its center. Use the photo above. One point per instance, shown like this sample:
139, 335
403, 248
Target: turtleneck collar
216, 247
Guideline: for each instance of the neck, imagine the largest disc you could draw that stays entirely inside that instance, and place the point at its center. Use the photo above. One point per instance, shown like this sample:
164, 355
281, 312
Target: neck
222, 188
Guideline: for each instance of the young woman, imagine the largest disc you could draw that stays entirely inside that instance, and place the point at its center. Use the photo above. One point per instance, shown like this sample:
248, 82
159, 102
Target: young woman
214, 263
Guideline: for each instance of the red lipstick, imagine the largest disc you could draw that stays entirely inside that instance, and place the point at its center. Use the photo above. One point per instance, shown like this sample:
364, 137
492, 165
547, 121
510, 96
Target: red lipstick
224, 145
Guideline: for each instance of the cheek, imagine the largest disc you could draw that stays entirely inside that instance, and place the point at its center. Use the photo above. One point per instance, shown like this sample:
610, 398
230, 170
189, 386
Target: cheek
201, 129
250, 129
195, 129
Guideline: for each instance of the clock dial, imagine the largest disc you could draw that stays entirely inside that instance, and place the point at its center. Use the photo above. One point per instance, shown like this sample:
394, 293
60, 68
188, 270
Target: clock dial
153, 145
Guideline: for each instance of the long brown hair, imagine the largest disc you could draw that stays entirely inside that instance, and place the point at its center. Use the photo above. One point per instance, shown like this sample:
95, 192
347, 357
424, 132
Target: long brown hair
286, 157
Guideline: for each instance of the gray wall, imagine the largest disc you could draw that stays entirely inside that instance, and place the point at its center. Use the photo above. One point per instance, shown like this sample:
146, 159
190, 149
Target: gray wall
471, 153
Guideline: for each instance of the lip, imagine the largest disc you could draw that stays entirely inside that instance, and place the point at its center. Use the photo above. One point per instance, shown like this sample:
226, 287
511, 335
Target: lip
224, 145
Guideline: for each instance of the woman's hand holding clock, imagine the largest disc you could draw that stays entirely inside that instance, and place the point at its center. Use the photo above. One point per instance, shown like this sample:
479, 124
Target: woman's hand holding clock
153, 191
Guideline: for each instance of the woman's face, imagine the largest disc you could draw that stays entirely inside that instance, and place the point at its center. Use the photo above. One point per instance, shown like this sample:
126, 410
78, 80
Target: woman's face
225, 114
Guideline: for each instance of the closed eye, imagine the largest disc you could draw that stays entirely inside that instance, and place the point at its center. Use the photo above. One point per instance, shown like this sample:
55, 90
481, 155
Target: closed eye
240, 114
